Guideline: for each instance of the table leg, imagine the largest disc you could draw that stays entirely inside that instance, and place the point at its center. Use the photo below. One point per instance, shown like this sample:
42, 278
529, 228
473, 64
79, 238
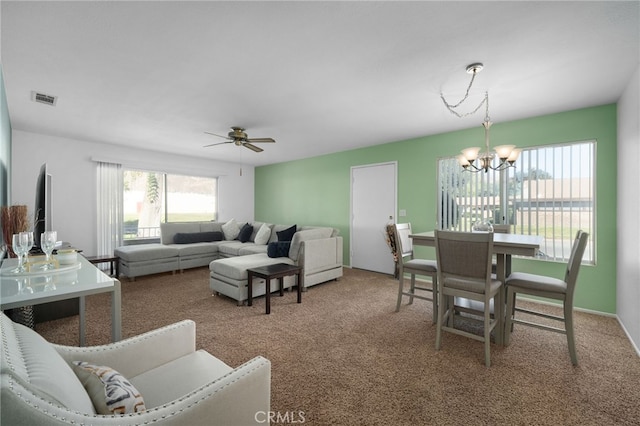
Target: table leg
281, 283
299, 287
267, 285
116, 312
83, 323
249, 289
501, 269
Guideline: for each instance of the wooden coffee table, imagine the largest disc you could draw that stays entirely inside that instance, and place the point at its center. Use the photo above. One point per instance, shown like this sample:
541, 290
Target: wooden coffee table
111, 260
269, 272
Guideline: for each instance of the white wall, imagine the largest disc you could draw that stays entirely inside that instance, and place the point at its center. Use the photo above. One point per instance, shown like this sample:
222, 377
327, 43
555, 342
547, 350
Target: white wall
628, 263
73, 170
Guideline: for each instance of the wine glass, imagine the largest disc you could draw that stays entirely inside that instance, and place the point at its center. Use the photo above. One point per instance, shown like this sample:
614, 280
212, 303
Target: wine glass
3, 251
19, 244
47, 243
29, 244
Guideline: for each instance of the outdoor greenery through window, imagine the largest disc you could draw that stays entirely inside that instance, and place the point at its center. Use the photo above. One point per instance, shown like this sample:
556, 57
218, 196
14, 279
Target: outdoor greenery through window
151, 198
549, 193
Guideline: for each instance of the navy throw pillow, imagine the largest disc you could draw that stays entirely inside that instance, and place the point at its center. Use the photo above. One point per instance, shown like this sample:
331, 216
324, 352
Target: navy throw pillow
278, 249
197, 237
245, 233
286, 234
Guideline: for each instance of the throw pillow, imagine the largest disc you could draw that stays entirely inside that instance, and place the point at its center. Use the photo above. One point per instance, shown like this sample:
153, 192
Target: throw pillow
109, 391
263, 235
245, 233
197, 237
287, 234
278, 249
231, 230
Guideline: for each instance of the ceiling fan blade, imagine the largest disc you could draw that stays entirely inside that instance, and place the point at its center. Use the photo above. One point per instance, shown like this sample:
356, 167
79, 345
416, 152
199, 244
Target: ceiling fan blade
261, 140
220, 136
219, 143
252, 147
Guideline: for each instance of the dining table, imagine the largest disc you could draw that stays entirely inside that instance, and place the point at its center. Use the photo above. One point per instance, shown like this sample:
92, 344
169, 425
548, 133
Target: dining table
505, 245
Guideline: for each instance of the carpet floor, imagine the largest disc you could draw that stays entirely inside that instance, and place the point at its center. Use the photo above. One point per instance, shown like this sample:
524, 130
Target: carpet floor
345, 357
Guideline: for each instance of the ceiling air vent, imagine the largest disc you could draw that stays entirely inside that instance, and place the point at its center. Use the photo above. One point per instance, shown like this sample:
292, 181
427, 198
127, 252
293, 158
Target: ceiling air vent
44, 99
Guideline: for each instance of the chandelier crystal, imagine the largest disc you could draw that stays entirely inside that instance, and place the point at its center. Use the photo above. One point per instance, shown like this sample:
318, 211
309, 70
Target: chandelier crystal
472, 159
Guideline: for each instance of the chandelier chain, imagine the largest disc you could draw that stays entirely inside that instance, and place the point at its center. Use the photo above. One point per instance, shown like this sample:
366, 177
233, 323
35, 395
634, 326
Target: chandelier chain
452, 108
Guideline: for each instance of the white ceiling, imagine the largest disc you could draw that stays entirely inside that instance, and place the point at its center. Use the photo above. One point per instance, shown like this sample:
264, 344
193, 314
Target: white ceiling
319, 77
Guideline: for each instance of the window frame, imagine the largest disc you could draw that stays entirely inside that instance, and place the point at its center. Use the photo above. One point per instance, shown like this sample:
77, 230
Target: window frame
165, 205
458, 190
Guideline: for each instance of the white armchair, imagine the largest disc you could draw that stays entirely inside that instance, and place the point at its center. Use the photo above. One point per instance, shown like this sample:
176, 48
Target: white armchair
179, 384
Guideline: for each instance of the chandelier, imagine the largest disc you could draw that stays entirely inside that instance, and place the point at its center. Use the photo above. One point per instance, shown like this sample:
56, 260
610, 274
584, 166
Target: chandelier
472, 159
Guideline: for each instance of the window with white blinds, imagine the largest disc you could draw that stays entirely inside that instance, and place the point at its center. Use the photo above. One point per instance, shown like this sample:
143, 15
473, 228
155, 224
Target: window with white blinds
550, 192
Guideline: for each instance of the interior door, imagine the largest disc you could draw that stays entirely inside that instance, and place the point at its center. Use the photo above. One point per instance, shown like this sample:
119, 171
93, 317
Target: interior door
373, 206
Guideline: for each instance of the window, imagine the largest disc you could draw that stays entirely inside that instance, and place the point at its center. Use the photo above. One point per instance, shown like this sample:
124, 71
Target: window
151, 198
549, 193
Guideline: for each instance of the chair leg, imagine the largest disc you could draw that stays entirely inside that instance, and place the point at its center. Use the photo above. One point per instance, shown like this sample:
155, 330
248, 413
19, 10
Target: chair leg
441, 313
508, 323
413, 288
450, 309
568, 325
487, 332
513, 310
498, 308
400, 290
434, 292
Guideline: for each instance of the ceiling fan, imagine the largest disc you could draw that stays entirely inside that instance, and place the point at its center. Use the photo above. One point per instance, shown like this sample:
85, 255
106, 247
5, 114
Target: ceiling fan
238, 137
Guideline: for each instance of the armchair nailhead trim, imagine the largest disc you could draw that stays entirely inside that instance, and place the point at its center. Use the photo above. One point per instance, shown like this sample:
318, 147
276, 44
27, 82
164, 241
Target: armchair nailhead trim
45, 406
122, 343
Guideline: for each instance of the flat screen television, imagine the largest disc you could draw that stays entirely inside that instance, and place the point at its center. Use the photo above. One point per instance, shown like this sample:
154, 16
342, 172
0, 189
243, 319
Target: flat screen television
42, 208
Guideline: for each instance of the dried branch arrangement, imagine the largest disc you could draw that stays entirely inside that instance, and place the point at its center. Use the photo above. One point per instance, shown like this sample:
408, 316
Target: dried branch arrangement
14, 220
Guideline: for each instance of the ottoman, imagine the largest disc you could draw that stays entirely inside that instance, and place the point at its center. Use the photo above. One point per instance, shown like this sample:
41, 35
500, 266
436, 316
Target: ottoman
229, 276
144, 259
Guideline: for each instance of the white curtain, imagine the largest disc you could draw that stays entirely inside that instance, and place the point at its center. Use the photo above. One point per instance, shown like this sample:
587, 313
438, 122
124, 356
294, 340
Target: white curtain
110, 209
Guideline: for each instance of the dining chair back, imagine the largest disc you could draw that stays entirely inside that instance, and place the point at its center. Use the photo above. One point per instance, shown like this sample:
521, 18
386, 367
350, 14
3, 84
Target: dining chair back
410, 265
549, 288
501, 229
464, 271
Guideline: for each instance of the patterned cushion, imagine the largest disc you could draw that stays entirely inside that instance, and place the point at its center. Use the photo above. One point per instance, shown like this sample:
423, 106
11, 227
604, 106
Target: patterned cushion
110, 392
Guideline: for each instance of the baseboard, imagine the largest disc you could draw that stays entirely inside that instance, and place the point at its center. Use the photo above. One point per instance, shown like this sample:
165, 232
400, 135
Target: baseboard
629, 336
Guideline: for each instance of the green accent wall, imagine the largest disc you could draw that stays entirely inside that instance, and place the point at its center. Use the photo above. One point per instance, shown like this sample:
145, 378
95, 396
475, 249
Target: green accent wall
316, 191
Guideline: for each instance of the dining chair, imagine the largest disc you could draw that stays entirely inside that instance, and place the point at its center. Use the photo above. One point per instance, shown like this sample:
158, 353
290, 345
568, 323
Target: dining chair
501, 229
548, 288
464, 270
414, 266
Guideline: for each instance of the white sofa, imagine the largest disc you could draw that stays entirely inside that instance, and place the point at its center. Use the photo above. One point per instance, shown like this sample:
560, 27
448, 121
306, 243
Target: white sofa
178, 384
317, 250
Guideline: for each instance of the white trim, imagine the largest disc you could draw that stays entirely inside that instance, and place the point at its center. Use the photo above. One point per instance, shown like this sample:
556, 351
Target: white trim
628, 336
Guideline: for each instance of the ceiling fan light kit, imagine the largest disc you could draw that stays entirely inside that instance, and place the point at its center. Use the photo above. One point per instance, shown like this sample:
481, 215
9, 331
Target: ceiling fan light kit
238, 137
472, 159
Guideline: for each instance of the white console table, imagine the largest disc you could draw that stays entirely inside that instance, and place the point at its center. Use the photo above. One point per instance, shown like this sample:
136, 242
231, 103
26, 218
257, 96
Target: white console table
68, 282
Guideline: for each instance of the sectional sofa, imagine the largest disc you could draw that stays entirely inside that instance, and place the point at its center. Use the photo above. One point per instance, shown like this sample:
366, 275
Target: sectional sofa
230, 248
